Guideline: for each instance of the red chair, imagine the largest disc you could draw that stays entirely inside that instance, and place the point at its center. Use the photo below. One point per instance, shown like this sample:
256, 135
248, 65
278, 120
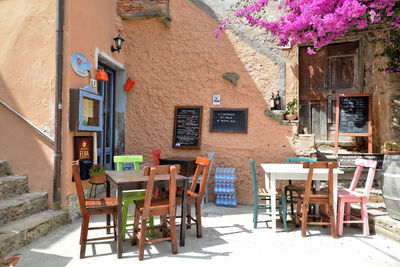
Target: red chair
347, 196
156, 157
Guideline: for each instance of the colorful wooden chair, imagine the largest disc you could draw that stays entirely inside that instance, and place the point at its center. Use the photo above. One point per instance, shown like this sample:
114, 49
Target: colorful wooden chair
290, 189
323, 198
347, 196
211, 158
264, 194
93, 206
129, 196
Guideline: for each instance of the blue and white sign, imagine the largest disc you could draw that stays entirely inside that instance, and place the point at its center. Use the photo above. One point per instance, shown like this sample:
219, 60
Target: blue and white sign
80, 64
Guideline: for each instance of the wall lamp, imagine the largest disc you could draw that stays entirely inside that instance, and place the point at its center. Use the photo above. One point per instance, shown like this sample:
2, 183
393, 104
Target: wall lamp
118, 43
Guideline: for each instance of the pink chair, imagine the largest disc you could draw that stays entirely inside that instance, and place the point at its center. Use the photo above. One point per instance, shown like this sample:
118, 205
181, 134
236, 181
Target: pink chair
156, 157
347, 196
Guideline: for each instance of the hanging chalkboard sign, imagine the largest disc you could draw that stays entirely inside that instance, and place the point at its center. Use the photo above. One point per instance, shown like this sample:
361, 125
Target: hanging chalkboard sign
354, 117
187, 127
228, 120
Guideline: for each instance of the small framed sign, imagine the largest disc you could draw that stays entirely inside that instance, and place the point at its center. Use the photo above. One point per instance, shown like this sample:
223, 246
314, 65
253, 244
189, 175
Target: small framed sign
83, 148
216, 99
232, 120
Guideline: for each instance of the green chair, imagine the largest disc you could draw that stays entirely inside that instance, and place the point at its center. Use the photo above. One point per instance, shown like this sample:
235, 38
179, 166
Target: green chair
264, 195
130, 195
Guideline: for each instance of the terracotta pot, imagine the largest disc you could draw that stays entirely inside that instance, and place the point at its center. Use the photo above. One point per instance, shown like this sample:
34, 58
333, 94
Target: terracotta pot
290, 117
101, 179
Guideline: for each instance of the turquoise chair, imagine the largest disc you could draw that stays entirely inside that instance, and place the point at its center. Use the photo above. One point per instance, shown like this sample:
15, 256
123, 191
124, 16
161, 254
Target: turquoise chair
211, 158
130, 195
289, 189
264, 195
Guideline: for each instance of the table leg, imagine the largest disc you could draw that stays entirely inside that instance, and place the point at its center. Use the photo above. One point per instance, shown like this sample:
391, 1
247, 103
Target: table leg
119, 224
108, 215
335, 189
183, 213
273, 202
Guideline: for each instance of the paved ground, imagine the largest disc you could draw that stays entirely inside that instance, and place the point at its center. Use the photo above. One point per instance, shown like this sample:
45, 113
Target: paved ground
228, 240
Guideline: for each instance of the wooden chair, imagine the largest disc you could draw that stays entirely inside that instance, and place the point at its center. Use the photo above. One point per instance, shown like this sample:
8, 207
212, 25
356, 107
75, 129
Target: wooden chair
193, 197
264, 195
347, 196
290, 189
92, 206
129, 196
156, 159
319, 197
156, 207
211, 158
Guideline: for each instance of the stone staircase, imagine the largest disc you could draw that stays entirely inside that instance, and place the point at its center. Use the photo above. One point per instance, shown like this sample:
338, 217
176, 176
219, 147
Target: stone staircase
24, 216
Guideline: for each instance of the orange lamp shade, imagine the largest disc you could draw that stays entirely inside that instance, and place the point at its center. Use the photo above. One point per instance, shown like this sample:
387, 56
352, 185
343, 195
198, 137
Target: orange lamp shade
101, 75
129, 83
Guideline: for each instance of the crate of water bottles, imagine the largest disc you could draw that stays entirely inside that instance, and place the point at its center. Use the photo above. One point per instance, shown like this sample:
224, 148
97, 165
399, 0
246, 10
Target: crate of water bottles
224, 187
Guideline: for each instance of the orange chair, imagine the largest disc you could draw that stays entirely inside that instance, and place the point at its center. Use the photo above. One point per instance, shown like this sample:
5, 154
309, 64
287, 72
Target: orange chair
347, 196
92, 206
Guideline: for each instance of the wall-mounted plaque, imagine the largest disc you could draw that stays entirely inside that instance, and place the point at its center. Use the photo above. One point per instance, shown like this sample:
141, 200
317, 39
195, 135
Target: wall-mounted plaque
83, 148
233, 120
187, 127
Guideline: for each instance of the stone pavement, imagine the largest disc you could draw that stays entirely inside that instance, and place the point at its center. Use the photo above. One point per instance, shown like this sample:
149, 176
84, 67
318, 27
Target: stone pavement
229, 239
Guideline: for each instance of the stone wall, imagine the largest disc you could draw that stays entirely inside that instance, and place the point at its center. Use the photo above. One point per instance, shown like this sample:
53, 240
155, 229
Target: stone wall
139, 9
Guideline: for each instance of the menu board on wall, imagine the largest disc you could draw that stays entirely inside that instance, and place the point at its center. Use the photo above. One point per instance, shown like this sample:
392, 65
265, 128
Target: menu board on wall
187, 127
354, 114
228, 120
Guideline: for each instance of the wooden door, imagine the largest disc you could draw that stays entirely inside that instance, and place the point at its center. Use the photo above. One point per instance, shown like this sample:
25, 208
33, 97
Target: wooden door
324, 75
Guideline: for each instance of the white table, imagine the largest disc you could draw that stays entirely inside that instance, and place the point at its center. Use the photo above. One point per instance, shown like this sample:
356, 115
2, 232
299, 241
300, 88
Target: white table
274, 172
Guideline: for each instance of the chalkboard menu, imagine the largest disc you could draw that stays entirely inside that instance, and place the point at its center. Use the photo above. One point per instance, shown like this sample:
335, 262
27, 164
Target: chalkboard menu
228, 120
354, 114
349, 160
187, 127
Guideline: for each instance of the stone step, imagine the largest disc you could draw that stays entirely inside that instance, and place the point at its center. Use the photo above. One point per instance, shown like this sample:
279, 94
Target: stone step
13, 185
22, 232
21, 206
4, 168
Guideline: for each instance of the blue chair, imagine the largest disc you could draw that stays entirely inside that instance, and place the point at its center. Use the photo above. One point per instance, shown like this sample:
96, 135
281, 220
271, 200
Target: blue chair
289, 189
211, 158
264, 195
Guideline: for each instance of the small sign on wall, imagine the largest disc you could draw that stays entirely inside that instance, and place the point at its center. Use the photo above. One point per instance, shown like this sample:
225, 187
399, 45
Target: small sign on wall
83, 148
216, 99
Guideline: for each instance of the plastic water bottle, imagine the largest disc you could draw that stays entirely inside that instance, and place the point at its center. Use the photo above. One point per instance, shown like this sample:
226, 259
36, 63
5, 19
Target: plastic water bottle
234, 201
217, 174
234, 174
218, 200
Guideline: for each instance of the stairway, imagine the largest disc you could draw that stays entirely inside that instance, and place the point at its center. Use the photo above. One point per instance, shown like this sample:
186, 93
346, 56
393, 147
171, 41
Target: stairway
24, 215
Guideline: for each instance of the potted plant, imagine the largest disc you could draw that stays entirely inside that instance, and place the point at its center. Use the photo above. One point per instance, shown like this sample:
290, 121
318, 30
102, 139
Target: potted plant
97, 174
292, 109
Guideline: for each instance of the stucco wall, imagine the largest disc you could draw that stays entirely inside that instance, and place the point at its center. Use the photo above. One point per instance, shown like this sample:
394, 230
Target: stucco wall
27, 71
89, 25
183, 66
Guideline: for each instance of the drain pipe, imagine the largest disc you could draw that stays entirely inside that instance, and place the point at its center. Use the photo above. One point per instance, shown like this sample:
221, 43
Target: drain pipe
58, 103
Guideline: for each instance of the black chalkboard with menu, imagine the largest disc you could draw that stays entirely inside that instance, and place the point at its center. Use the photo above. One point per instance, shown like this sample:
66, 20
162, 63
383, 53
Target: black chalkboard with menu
187, 127
354, 114
228, 120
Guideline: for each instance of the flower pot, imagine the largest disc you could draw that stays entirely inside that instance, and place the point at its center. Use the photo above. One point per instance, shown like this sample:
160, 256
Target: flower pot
100, 179
290, 117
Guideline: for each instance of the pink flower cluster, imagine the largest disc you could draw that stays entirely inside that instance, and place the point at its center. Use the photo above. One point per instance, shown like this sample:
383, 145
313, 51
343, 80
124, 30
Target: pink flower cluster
320, 21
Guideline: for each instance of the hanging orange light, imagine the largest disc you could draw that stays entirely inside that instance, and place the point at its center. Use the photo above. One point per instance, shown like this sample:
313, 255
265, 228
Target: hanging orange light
101, 75
129, 83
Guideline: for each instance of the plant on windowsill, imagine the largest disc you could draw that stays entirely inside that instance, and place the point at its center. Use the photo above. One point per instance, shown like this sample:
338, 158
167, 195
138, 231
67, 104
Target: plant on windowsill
292, 109
97, 174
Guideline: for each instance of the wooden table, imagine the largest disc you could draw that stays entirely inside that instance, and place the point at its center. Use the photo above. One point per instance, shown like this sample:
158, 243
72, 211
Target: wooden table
134, 179
188, 164
274, 172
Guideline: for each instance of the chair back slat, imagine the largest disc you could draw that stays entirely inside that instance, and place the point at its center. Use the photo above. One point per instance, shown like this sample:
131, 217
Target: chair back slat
156, 156
299, 159
79, 187
254, 176
136, 159
203, 165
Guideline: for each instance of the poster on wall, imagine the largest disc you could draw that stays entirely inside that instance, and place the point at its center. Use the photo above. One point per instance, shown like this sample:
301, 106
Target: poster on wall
83, 148
80, 64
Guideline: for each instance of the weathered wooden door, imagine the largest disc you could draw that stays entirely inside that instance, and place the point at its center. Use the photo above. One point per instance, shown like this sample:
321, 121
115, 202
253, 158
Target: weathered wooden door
331, 71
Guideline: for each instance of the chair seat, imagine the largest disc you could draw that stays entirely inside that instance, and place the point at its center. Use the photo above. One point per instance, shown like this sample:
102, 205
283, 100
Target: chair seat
317, 194
156, 203
291, 187
266, 192
348, 194
101, 202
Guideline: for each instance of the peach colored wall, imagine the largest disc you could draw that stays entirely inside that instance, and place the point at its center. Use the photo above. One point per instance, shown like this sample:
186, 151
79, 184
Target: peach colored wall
89, 24
27, 72
183, 66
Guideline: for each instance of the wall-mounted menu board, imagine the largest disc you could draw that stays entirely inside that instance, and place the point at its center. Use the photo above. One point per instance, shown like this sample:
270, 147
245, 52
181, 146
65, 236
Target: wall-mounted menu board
233, 120
187, 127
354, 117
